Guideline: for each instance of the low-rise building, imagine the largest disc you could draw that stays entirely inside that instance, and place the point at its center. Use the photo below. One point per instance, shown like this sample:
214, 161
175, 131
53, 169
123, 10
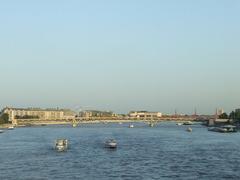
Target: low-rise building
144, 115
88, 114
38, 113
219, 112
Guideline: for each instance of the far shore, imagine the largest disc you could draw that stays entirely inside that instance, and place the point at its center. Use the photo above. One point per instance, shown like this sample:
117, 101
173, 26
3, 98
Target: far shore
3, 126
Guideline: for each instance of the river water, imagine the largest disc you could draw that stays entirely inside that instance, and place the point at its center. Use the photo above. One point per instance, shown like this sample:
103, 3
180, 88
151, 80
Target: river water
165, 151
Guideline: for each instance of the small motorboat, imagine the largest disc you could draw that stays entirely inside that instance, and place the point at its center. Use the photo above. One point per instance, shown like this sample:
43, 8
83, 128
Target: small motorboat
1, 131
151, 124
61, 145
188, 123
189, 129
179, 124
224, 129
111, 143
74, 125
131, 126
230, 128
11, 128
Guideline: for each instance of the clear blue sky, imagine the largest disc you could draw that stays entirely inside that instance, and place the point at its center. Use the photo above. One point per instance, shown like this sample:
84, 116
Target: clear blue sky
121, 55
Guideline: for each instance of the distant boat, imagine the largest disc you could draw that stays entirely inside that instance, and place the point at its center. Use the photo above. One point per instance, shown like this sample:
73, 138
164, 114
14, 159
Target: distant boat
179, 124
1, 131
10, 127
61, 145
189, 129
23, 125
74, 125
188, 123
224, 129
151, 124
131, 126
111, 143
120, 123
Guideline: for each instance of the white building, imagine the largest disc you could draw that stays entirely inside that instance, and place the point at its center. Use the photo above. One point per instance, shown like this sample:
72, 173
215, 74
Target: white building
37, 113
144, 114
220, 111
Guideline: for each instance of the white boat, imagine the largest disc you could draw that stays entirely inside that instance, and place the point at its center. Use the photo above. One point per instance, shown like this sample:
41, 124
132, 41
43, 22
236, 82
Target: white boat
111, 143
10, 127
179, 124
151, 124
120, 123
1, 131
224, 129
230, 128
74, 125
189, 129
188, 123
131, 126
61, 145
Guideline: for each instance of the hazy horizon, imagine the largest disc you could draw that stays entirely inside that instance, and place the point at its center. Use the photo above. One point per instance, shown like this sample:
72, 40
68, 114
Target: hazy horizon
121, 55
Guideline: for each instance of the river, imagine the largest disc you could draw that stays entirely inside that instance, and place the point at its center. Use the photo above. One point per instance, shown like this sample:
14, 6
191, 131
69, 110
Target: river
166, 151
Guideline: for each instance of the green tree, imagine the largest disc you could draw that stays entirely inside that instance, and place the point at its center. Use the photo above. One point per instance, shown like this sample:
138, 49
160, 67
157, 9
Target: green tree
232, 115
223, 116
237, 115
4, 118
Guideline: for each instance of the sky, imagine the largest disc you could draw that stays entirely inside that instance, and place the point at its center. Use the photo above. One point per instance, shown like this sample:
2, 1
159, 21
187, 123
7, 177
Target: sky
155, 55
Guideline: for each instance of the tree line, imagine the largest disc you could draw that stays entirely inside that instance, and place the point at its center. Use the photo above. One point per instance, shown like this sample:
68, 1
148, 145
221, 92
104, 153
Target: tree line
235, 115
4, 118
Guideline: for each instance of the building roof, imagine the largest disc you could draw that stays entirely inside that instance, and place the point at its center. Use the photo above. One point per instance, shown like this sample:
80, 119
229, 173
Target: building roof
37, 109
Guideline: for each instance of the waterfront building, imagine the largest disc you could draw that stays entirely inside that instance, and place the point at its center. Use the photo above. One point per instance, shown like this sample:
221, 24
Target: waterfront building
144, 115
220, 111
88, 114
38, 113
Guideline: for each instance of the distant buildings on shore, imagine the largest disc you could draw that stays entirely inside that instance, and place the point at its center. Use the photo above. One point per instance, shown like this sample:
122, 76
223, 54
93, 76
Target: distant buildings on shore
38, 115
16, 114
91, 114
144, 115
88, 114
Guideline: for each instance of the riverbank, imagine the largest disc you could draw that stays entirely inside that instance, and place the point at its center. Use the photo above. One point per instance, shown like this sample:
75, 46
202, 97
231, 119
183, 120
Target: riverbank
5, 126
55, 122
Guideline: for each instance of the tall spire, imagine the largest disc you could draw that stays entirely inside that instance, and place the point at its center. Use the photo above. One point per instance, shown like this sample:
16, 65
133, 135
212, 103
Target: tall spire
195, 111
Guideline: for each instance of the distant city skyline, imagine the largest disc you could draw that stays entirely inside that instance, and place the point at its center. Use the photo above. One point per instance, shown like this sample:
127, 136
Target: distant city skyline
121, 55
87, 108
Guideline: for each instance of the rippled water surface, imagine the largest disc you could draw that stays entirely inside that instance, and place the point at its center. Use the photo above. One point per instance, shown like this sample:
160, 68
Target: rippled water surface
166, 151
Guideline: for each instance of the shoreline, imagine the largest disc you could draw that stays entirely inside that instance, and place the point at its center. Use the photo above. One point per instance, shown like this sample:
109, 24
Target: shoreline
29, 124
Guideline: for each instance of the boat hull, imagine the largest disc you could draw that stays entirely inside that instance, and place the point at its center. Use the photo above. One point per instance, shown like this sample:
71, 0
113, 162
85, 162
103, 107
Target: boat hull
222, 130
111, 144
61, 145
61, 148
